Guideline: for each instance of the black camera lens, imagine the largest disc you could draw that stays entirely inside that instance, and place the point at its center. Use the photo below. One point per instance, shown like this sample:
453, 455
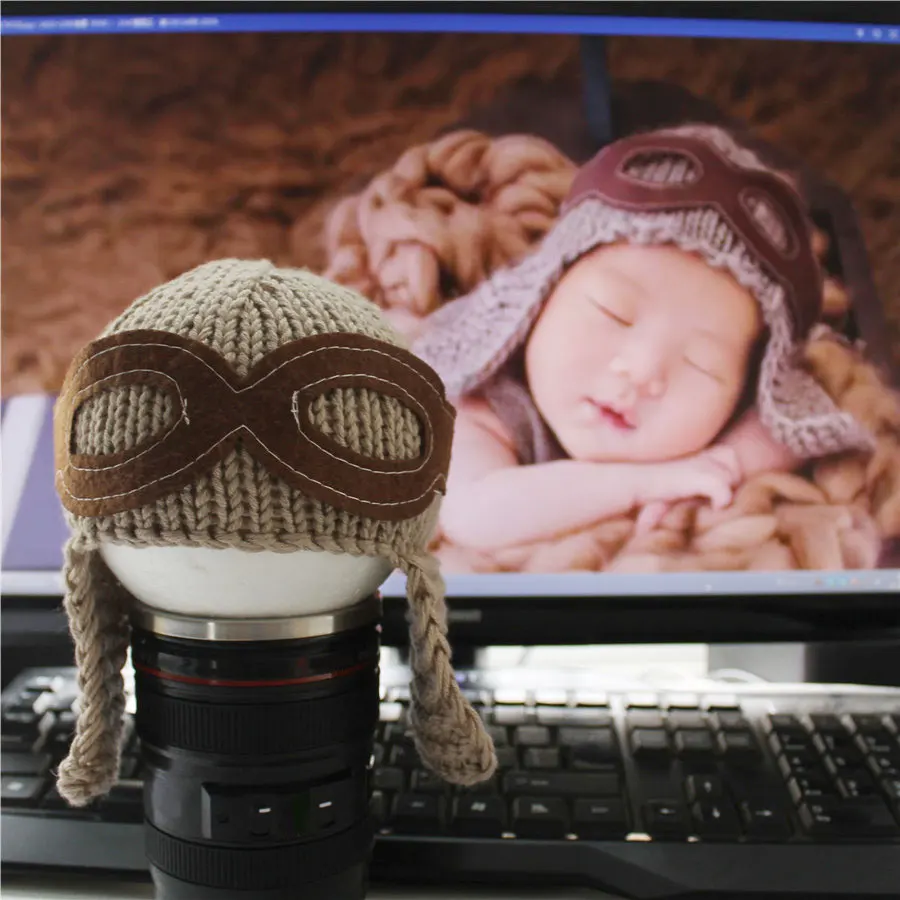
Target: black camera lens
257, 737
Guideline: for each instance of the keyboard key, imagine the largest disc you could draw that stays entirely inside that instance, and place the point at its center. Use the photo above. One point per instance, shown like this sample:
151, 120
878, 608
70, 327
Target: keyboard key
378, 754
499, 735
891, 787
539, 817
800, 764
827, 723
600, 819
864, 817
425, 782
511, 715
784, 722
790, 743
664, 818
591, 756
561, 784
479, 816
404, 755
20, 791
840, 744
693, 743
704, 787
541, 758
591, 698
642, 700
551, 697
685, 720
396, 733
579, 716
880, 743
392, 712
737, 744
649, 742
600, 737
811, 787
682, 701
729, 720
379, 808
510, 697
25, 763
531, 736
764, 821
715, 820
887, 766
418, 813
856, 783
645, 719
507, 758
715, 702
20, 724
124, 803
388, 778
869, 723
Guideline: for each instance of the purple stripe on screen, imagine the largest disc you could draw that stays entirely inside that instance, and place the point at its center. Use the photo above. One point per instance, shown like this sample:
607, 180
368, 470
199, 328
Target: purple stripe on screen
39, 532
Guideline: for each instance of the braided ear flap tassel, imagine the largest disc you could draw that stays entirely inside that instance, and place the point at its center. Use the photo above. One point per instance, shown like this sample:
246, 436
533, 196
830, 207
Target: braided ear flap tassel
98, 622
449, 735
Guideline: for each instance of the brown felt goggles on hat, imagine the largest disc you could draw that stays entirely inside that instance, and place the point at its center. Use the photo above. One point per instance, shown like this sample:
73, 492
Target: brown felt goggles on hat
715, 182
267, 412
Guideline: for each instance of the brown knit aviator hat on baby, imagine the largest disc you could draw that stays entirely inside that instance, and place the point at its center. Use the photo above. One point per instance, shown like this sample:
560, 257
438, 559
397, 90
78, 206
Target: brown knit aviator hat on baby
265, 409
696, 188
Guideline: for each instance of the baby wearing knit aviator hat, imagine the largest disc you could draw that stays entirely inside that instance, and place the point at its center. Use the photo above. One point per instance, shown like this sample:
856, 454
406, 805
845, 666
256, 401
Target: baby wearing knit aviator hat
650, 349
260, 409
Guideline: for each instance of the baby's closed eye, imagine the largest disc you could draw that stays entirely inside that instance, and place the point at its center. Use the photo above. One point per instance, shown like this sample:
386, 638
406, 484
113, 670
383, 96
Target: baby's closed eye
707, 358
617, 310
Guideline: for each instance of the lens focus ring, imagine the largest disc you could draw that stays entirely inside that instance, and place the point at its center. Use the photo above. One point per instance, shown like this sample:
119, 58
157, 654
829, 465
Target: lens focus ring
258, 869
262, 729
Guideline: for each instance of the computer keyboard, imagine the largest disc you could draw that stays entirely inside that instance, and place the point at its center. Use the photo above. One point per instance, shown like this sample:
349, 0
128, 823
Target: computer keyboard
747, 790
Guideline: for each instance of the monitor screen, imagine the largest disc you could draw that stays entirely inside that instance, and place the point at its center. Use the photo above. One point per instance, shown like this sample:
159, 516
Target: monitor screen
693, 395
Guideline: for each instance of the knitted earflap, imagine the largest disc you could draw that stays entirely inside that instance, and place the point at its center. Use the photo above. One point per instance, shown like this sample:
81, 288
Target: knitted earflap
98, 621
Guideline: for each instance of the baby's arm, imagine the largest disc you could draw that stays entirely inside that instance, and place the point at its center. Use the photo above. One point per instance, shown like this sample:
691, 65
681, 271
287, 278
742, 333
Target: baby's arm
756, 450
494, 502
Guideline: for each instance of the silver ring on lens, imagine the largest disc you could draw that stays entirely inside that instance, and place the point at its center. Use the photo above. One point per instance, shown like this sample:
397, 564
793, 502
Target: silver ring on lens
287, 628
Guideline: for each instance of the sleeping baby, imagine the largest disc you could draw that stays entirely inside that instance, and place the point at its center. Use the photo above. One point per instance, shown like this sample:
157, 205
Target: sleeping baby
646, 352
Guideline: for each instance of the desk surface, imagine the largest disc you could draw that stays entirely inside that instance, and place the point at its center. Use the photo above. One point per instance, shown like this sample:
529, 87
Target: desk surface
82, 888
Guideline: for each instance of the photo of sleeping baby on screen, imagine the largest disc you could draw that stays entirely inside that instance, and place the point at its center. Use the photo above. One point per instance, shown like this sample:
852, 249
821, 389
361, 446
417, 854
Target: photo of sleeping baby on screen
650, 346
642, 369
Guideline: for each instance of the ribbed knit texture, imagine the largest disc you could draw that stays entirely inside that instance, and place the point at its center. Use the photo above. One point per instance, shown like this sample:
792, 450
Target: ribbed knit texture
244, 310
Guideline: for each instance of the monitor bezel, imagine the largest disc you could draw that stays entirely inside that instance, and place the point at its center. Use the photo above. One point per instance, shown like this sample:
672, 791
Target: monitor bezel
491, 621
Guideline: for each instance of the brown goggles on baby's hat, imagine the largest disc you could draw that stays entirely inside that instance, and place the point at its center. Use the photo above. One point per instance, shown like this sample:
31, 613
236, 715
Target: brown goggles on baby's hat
714, 181
267, 412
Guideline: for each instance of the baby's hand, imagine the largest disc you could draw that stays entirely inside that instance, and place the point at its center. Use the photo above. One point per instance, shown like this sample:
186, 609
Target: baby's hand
713, 474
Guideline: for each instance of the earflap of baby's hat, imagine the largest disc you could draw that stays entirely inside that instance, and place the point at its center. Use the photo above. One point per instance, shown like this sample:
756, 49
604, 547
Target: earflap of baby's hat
796, 409
449, 735
98, 623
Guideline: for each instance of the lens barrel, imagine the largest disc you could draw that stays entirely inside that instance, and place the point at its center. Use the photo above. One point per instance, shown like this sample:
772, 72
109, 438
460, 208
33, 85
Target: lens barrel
256, 738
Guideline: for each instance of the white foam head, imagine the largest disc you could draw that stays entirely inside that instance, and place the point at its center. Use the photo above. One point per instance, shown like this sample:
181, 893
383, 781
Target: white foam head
231, 583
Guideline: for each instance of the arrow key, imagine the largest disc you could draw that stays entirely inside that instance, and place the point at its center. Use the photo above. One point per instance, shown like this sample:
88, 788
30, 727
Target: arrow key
714, 820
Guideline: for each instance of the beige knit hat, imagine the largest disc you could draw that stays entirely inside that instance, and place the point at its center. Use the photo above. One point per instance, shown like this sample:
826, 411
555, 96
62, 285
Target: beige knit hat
696, 188
266, 409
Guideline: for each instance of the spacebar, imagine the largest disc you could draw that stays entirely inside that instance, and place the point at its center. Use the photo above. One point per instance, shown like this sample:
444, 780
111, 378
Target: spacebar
562, 784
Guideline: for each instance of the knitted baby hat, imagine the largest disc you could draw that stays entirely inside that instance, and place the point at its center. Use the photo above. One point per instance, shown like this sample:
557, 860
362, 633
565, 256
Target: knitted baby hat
265, 409
697, 188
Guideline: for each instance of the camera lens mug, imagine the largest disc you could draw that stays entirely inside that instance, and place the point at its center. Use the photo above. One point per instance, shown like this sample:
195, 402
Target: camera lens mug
257, 738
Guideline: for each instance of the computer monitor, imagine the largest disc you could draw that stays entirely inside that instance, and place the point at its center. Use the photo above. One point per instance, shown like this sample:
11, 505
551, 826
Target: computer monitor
414, 154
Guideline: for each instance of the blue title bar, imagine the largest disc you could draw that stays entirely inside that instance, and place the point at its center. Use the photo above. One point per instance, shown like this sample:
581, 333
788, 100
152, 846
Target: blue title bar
450, 22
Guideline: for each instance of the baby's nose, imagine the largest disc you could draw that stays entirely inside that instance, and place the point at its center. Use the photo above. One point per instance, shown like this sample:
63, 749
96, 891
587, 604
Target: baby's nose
643, 368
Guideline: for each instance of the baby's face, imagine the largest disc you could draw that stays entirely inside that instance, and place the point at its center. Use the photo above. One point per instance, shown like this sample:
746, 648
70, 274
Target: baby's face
641, 354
